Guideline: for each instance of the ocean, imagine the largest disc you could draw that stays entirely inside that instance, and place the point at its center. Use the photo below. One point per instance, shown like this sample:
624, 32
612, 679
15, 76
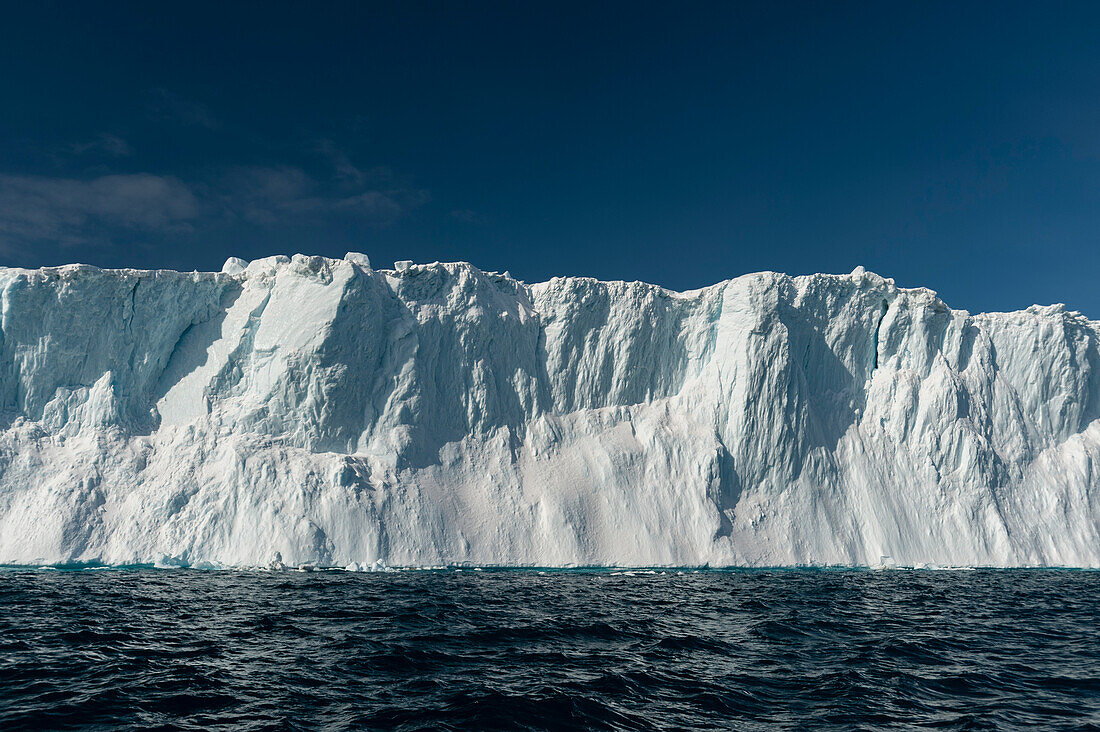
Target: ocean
531, 650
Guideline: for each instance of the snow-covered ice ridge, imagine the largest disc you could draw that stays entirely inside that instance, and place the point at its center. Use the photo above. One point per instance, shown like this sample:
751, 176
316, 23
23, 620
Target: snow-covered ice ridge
438, 414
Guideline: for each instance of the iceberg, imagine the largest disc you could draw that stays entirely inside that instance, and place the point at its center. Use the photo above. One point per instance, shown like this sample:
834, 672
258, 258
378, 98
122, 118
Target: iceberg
329, 414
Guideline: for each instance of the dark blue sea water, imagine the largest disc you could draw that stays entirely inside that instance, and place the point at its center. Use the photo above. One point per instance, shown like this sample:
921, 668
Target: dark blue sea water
561, 650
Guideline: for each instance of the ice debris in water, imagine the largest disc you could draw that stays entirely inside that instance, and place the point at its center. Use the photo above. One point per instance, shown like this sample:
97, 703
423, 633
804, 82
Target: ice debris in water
319, 410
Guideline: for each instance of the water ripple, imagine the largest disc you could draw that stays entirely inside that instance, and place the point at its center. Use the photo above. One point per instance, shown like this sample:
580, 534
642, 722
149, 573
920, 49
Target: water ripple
558, 650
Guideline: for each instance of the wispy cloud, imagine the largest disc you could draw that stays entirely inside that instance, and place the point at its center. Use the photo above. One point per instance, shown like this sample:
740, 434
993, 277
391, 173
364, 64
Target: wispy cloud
263, 195
69, 211
280, 195
465, 215
104, 144
99, 210
341, 163
165, 105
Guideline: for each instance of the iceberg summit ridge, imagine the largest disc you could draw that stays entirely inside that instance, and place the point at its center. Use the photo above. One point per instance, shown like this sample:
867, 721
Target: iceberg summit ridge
338, 415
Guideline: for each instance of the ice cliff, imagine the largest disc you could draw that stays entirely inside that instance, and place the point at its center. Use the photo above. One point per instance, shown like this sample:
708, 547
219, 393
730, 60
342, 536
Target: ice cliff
433, 414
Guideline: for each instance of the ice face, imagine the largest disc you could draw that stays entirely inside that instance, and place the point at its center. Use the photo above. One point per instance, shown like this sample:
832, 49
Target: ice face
338, 416
234, 265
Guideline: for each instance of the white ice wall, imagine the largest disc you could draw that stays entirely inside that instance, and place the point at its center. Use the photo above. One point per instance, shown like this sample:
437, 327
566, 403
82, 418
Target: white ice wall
436, 413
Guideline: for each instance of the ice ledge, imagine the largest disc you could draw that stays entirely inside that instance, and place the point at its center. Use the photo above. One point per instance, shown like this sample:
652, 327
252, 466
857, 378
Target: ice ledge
313, 264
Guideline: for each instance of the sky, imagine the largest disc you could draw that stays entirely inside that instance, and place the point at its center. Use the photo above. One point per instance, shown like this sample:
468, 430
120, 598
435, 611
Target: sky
949, 145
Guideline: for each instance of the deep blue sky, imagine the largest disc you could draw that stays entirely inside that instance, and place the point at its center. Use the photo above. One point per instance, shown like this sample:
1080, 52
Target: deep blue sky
951, 145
